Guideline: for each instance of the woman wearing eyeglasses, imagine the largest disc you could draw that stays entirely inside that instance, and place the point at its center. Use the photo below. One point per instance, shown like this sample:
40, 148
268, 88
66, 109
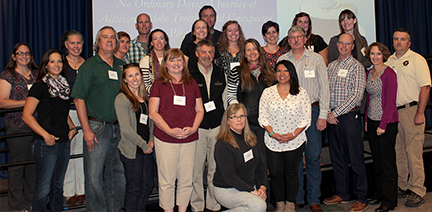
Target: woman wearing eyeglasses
348, 24
15, 82
238, 162
285, 114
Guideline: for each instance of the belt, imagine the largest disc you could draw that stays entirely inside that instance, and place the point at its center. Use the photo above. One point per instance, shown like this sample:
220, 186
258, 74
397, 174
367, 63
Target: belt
355, 109
106, 122
315, 104
413, 103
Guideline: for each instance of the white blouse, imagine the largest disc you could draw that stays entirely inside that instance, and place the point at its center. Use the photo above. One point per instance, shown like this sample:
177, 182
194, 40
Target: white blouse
284, 116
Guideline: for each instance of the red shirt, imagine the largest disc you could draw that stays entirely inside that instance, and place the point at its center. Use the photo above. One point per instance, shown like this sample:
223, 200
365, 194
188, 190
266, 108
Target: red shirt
176, 115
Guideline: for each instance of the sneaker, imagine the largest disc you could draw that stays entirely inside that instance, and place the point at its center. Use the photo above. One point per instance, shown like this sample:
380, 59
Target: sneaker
335, 199
358, 206
414, 200
403, 193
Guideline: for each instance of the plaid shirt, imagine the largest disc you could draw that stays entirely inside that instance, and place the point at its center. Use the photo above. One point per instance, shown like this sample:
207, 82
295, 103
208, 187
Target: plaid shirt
136, 51
346, 90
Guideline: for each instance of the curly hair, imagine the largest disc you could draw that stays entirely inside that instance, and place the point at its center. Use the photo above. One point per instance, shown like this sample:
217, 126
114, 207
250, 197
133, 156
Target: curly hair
224, 42
383, 49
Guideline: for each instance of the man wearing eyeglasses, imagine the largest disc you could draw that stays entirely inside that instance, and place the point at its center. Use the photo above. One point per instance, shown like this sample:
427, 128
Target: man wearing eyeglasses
312, 75
414, 81
347, 80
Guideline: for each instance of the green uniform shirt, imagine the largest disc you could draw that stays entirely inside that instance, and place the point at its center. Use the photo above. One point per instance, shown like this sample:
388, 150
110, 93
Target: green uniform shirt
94, 86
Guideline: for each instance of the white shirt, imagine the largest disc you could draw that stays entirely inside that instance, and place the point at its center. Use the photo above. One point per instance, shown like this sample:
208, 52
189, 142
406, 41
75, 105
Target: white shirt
284, 116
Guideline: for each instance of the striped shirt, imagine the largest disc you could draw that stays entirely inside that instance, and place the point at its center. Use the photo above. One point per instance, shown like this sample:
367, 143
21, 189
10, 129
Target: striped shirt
347, 80
312, 76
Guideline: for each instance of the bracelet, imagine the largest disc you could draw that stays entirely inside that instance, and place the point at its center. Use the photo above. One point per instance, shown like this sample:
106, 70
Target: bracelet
73, 128
271, 133
294, 134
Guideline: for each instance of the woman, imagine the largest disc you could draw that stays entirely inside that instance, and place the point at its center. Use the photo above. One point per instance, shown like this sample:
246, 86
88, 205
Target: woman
382, 125
15, 82
239, 164
285, 114
124, 40
348, 24
247, 82
176, 108
200, 31
270, 32
136, 131
74, 178
231, 45
158, 45
49, 97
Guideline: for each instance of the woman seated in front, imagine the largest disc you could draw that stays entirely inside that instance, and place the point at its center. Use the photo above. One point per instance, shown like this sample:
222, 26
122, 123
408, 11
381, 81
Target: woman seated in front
238, 162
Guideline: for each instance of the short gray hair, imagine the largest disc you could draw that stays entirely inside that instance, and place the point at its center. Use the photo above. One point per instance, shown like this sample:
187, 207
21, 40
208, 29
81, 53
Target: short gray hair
296, 29
96, 46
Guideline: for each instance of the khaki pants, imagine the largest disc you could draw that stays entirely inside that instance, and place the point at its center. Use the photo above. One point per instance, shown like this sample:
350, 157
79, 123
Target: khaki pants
174, 161
409, 152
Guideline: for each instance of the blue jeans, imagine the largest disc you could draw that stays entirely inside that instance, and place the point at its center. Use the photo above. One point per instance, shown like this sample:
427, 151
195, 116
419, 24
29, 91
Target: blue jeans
51, 164
139, 174
104, 159
346, 148
313, 164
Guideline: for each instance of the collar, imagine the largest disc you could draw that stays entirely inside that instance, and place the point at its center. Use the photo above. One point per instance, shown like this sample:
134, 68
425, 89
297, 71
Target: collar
345, 60
203, 70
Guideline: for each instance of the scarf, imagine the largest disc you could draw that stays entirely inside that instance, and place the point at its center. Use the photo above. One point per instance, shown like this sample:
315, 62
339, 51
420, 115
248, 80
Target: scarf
154, 64
57, 87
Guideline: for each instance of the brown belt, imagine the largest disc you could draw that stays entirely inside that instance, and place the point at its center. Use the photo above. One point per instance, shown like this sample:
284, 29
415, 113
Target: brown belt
315, 104
106, 122
355, 108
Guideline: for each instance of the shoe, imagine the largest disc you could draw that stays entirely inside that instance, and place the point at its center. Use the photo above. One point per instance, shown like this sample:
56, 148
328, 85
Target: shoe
299, 205
316, 208
358, 206
280, 206
374, 202
72, 201
335, 199
80, 200
403, 193
414, 200
384, 208
289, 207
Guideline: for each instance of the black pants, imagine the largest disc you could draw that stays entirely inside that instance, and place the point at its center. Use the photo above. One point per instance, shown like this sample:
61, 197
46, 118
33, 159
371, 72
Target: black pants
384, 158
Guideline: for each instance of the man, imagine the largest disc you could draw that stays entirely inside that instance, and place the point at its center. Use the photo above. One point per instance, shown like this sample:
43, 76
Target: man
312, 75
96, 86
211, 82
208, 14
347, 80
138, 46
414, 81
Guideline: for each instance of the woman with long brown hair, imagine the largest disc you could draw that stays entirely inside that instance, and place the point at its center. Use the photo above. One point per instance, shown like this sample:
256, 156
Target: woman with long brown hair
230, 44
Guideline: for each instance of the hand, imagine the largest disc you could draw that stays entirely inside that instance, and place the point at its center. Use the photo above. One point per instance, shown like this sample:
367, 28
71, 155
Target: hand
380, 131
277, 136
419, 118
90, 138
366, 126
287, 137
331, 119
187, 131
50, 139
261, 192
150, 149
321, 124
175, 133
72, 133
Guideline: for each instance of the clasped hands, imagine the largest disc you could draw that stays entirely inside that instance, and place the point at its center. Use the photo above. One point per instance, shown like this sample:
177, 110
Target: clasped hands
283, 138
181, 133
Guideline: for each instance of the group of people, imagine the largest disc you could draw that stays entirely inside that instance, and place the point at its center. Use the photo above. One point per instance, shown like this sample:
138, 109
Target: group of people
247, 113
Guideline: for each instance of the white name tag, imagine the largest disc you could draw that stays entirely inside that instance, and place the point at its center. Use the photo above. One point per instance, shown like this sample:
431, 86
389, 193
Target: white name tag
248, 155
309, 73
179, 100
29, 86
143, 118
342, 72
395, 71
113, 75
209, 106
363, 50
234, 64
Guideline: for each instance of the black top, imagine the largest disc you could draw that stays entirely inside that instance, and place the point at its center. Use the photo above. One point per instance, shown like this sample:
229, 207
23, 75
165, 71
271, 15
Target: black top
231, 169
318, 43
52, 112
213, 118
142, 129
189, 50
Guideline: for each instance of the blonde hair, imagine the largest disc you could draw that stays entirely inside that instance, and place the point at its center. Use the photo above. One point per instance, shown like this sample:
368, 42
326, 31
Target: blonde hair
225, 133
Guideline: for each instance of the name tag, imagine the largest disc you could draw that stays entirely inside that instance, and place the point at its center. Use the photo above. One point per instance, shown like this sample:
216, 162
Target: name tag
248, 155
234, 64
113, 75
209, 106
363, 50
395, 71
143, 118
311, 48
29, 86
342, 72
309, 73
179, 100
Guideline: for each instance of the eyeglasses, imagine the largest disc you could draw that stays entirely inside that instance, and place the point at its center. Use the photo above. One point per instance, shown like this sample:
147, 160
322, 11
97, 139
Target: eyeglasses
237, 117
294, 37
345, 43
22, 53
